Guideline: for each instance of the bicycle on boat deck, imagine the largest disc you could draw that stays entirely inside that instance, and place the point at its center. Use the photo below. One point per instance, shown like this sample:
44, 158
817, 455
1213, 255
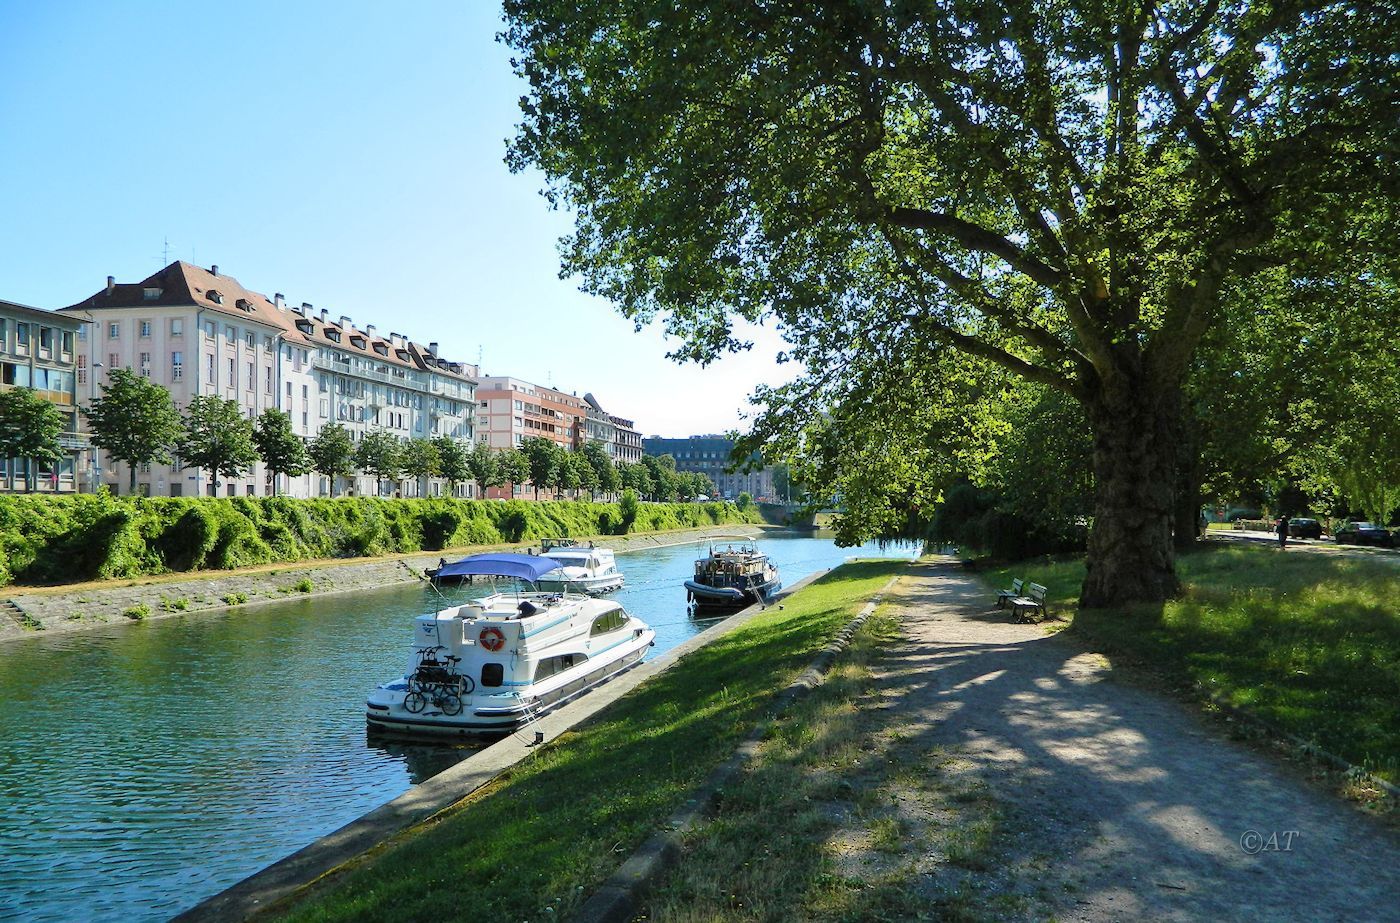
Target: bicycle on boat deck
437, 681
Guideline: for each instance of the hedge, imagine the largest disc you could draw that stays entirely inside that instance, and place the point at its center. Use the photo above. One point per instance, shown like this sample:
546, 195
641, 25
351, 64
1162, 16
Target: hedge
49, 539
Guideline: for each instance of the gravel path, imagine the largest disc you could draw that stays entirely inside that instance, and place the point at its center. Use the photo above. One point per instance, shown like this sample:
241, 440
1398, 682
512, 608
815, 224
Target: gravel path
1123, 804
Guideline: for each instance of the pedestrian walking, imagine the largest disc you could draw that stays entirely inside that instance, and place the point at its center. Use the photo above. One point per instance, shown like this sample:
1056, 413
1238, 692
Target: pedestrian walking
1282, 530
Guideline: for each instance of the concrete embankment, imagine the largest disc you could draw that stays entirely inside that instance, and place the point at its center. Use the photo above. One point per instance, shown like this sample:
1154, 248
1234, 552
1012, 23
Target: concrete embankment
29, 612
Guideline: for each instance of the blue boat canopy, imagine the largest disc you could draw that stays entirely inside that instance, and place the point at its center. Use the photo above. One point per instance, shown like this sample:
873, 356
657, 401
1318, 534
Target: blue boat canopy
519, 566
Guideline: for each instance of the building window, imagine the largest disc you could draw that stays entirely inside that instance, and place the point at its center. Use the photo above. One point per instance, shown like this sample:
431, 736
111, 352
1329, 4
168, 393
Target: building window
82, 370
113, 361
177, 326
68, 342
177, 366
232, 373
252, 380
145, 365
230, 333
114, 330
209, 329
144, 328
252, 339
82, 334
267, 379
209, 367
325, 408
267, 343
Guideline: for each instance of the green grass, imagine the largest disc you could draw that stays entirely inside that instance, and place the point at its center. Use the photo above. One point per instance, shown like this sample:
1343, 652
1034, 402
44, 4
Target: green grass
1308, 642
534, 844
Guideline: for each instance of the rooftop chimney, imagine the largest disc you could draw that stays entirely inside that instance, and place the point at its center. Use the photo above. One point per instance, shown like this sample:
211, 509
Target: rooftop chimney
111, 284
214, 270
345, 322
433, 347
324, 312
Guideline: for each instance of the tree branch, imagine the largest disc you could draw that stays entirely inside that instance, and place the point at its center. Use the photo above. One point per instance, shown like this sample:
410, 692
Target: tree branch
977, 238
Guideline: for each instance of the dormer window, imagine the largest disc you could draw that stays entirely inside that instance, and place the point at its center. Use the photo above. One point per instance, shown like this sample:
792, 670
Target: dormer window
381, 348
214, 297
357, 342
305, 326
151, 294
402, 354
333, 335
244, 304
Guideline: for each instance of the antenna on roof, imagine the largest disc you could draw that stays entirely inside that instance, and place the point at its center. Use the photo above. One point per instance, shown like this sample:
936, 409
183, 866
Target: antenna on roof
165, 251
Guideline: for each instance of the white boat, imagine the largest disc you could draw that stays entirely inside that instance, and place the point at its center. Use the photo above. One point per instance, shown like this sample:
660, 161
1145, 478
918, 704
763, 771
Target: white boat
583, 569
493, 664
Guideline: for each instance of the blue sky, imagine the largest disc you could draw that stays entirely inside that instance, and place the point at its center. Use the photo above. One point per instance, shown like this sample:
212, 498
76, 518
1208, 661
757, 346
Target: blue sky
348, 154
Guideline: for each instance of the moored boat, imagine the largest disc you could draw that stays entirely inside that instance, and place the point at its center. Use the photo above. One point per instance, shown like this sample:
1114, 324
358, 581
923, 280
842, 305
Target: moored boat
582, 568
733, 578
492, 664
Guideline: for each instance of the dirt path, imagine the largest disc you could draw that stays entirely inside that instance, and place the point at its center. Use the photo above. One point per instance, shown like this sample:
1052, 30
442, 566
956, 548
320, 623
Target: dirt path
1118, 803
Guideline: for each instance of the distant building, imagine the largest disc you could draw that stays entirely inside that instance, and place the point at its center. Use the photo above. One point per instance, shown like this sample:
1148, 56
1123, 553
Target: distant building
627, 442
197, 332
616, 434
38, 350
709, 455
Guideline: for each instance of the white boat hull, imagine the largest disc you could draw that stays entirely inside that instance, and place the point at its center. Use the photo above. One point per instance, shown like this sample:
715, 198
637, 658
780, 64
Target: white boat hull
501, 712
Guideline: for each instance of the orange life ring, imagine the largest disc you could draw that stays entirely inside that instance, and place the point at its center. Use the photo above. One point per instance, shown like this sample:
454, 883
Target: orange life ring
492, 639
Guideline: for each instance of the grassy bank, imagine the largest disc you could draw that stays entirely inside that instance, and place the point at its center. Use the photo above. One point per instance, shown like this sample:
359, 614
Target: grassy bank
48, 539
1308, 642
534, 844
844, 814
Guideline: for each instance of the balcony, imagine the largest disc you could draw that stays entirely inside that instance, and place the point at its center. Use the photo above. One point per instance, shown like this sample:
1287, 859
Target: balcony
345, 368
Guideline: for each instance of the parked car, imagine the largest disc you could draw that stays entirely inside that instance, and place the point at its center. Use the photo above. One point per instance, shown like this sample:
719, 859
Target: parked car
1304, 528
1364, 533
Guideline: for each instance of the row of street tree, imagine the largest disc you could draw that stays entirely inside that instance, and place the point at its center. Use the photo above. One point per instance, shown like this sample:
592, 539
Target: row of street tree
136, 422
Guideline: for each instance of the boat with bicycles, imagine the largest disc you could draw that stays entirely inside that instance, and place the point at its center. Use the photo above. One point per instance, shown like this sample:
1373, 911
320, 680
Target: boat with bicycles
731, 578
492, 664
582, 568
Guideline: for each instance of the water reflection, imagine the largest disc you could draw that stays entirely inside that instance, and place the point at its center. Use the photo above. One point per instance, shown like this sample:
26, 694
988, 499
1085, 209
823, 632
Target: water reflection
144, 767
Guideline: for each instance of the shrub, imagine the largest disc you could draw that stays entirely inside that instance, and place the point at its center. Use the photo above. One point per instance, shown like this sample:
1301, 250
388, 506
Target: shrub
236, 599
138, 611
304, 585
627, 506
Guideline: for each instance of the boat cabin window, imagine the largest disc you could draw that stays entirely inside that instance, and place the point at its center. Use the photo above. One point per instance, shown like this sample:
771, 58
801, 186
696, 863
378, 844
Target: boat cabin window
492, 674
610, 621
551, 665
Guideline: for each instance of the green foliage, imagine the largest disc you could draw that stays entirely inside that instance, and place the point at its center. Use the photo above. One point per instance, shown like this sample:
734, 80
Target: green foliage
137, 612
282, 450
29, 428
545, 457
62, 539
909, 186
454, 462
745, 500
304, 585
217, 438
605, 474
332, 453
134, 420
236, 599
627, 507
380, 454
421, 458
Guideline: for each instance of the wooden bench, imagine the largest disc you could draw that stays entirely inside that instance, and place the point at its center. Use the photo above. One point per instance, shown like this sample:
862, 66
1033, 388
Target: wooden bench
1033, 601
1014, 592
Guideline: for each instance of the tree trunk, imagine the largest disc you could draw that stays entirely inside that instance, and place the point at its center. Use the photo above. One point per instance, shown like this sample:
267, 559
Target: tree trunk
1130, 545
131, 483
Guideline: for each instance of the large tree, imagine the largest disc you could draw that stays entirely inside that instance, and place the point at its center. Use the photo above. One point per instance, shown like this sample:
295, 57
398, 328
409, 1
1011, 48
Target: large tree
545, 456
1062, 189
217, 438
421, 460
604, 471
134, 420
282, 450
29, 429
380, 454
454, 462
332, 454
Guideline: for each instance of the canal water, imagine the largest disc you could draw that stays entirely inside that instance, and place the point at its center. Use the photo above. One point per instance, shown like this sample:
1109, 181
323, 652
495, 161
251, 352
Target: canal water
146, 767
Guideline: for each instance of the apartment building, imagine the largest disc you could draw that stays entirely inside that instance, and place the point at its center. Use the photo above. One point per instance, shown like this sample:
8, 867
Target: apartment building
197, 331
38, 350
710, 456
622, 440
510, 410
